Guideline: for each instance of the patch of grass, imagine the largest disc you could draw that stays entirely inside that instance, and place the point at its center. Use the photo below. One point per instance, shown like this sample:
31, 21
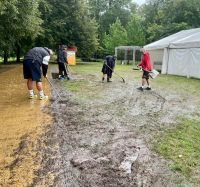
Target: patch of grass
178, 83
165, 82
87, 67
10, 60
95, 67
75, 86
82, 89
182, 145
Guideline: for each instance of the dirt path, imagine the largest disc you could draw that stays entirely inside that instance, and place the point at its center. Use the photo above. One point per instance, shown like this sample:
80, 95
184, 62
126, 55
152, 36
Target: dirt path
105, 140
21, 124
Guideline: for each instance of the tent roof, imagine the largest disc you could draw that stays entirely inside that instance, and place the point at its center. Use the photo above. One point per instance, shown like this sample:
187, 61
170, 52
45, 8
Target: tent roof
182, 39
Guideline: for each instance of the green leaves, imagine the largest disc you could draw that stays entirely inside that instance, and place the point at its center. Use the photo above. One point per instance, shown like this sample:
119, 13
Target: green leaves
135, 31
70, 23
117, 36
19, 20
86, 23
165, 17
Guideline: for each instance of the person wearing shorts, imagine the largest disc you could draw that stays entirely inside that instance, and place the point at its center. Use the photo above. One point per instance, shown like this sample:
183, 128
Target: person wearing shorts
108, 67
35, 65
147, 67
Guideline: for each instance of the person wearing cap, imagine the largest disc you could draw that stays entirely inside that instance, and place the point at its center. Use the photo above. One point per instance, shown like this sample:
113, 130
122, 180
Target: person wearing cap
62, 61
146, 67
34, 65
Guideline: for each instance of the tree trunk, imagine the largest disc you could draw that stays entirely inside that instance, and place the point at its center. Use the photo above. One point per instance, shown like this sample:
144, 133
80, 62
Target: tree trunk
110, 3
5, 57
18, 53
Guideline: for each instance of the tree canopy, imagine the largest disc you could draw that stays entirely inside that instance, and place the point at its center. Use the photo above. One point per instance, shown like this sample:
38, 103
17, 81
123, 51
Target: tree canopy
165, 17
91, 25
19, 20
116, 36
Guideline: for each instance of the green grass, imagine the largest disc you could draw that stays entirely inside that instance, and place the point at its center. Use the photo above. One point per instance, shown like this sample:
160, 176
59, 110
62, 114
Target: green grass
10, 59
83, 88
182, 145
75, 86
164, 82
178, 83
87, 67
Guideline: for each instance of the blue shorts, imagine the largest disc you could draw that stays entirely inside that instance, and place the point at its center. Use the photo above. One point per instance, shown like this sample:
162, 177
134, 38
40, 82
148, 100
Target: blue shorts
32, 70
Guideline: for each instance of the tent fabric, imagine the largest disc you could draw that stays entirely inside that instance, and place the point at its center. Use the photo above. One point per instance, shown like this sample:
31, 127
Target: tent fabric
165, 61
184, 62
190, 41
180, 67
181, 53
156, 57
172, 39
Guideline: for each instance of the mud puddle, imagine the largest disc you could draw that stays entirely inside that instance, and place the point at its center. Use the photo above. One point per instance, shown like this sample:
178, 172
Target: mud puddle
106, 140
22, 122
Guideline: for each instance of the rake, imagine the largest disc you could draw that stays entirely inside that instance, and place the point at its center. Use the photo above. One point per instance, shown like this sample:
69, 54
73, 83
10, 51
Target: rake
54, 89
116, 73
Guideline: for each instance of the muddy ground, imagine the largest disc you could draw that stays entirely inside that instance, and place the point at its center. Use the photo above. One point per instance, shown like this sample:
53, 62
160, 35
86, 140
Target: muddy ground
105, 138
101, 136
21, 124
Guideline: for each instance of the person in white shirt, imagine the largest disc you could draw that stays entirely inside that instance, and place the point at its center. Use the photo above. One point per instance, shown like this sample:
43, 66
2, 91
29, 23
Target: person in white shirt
35, 60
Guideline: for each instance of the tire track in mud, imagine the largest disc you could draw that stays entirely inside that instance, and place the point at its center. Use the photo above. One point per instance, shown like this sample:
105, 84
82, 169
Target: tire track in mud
105, 144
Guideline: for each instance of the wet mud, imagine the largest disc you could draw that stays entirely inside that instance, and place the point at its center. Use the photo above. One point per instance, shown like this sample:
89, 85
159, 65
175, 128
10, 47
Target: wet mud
106, 140
22, 122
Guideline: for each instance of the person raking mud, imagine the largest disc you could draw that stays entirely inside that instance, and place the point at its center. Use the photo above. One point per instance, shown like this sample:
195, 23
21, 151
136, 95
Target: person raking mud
146, 68
34, 65
108, 67
62, 62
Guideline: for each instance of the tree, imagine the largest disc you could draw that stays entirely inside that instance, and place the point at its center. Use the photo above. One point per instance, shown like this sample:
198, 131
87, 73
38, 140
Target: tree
116, 36
135, 31
69, 23
28, 22
19, 20
106, 11
165, 17
7, 15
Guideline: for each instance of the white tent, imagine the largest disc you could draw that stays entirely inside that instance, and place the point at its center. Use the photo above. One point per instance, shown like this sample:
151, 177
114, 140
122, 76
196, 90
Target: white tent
177, 54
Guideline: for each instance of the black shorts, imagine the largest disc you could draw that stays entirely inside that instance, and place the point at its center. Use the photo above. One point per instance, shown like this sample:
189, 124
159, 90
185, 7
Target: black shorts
104, 69
32, 70
145, 74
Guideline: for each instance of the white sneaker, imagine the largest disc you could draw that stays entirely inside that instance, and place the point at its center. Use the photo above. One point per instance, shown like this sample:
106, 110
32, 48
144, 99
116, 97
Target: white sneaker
32, 96
44, 97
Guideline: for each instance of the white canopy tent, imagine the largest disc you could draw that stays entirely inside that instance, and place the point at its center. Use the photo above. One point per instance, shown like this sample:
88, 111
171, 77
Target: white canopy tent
177, 54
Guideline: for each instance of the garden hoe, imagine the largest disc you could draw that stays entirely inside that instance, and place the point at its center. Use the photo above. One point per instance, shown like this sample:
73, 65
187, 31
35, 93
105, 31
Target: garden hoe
116, 73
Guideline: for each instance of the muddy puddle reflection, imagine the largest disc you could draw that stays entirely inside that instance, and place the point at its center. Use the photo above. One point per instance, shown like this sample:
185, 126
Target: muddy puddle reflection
22, 121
